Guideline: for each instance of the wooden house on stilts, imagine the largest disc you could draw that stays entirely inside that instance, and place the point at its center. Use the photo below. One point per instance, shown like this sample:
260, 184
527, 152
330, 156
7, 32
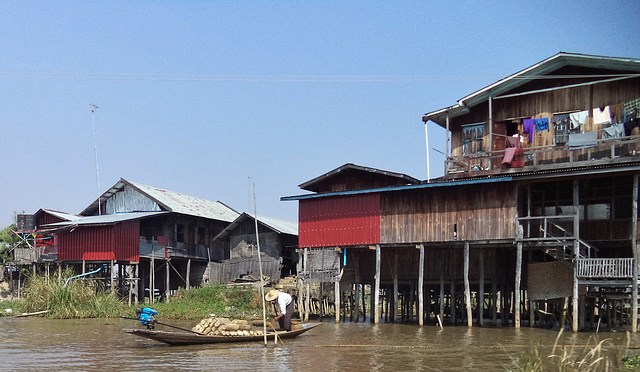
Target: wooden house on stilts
535, 220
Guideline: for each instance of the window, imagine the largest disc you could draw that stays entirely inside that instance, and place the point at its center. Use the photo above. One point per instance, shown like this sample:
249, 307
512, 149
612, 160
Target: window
472, 136
180, 233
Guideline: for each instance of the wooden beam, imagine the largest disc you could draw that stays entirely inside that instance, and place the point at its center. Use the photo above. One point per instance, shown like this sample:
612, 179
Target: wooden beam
420, 287
376, 301
634, 244
167, 273
467, 288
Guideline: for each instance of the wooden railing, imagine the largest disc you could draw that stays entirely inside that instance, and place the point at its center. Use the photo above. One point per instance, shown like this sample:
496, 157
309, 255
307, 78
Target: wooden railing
606, 268
554, 231
552, 156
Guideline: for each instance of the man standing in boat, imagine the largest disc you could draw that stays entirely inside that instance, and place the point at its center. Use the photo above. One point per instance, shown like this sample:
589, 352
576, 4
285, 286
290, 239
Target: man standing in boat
285, 303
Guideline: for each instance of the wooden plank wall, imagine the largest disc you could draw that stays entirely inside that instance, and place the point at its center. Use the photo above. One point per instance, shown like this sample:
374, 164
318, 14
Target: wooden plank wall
476, 212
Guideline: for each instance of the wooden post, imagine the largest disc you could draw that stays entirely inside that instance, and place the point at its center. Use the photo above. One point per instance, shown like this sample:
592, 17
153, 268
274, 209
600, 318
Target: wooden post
452, 302
152, 274
441, 299
634, 245
516, 305
167, 271
576, 254
300, 287
376, 302
494, 302
467, 287
307, 302
112, 281
420, 287
394, 308
336, 290
188, 277
130, 283
136, 284
481, 291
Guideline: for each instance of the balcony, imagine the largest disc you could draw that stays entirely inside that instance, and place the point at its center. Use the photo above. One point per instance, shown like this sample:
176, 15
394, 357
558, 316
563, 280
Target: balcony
605, 151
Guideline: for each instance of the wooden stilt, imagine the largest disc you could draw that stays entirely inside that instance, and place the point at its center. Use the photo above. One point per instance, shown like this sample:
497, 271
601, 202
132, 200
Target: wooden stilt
420, 287
356, 301
481, 290
336, 292
576, 254
441, 294
307, 302
130, 284
394, 307
167, 274
452, 302
494, 302
467, 288
634, 246
376, 302
136, 285
516, 305
188, 276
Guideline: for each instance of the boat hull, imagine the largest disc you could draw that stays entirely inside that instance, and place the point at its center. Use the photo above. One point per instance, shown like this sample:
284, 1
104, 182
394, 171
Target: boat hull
186, 338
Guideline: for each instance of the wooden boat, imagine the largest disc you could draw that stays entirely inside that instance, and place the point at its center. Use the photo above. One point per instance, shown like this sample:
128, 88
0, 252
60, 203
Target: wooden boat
189, 338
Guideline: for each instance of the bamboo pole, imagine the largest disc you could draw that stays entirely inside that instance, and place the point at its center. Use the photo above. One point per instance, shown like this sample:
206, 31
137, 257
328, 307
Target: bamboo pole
516, 306
167, 271
376, 302
337, 299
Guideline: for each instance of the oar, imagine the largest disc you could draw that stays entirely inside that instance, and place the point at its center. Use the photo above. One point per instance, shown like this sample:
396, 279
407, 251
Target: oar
168, 325
277, 335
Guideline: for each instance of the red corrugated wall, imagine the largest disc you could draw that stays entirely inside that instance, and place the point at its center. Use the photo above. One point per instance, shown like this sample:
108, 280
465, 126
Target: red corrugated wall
339, 221
119, 242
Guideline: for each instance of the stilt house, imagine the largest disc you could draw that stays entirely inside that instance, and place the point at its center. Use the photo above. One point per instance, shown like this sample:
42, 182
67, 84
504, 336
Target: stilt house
535, 219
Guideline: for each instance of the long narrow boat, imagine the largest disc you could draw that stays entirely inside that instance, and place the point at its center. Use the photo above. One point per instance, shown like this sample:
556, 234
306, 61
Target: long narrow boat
187, 338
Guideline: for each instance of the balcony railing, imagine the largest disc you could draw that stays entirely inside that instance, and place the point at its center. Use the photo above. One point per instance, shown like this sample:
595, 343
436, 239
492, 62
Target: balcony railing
605, 268
546, 156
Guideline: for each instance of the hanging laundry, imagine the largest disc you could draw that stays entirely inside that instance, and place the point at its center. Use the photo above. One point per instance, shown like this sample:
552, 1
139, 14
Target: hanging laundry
529, 127
560, 120
602, 116
578, 118
542, 124
614, 131
583, 140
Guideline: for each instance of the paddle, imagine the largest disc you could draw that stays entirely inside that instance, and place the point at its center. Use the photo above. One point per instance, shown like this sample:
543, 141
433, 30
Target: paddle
168, 325
277, 335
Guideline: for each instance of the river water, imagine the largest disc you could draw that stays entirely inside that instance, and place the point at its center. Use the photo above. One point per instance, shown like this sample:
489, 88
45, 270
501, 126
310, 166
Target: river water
30, 344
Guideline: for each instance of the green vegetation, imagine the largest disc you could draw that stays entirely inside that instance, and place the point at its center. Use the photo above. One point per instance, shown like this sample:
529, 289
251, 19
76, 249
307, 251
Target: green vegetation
198, 303
82, 299
5, 240
595, 356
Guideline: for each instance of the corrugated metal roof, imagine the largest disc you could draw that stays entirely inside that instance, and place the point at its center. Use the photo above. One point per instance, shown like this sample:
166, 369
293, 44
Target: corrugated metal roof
531, 73
185, 204
278, 225
401, 188
60, 215
173, 202
349, 166
104, 219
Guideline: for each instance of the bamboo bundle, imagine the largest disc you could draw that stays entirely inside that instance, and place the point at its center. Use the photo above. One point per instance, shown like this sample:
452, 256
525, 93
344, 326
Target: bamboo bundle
225, 327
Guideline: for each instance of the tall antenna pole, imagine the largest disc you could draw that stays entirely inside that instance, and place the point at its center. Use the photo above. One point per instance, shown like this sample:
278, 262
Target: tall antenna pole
264, 307
426, 135
95, 151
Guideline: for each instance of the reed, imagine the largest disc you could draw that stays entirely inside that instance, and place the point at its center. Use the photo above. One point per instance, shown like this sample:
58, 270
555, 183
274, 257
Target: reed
78, 299
596, 355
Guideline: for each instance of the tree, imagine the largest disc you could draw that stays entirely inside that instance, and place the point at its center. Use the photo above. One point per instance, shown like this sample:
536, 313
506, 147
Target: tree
6, 238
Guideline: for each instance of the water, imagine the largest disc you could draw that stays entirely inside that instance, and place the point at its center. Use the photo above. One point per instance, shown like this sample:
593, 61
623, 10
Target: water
31, 344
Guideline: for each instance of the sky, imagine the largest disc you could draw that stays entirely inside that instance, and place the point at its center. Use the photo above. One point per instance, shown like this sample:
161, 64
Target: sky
216, 99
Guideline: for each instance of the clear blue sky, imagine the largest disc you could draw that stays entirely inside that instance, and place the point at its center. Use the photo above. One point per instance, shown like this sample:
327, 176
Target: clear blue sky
198, 96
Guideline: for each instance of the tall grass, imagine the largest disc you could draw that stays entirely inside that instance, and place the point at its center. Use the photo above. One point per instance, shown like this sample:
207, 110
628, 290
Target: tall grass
596, 355
197, 303
78, 299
